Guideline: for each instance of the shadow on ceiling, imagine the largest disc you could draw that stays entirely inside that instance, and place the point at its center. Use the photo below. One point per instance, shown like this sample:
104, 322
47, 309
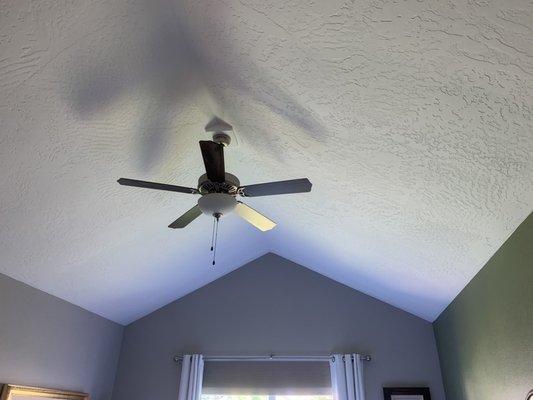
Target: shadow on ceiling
170, 71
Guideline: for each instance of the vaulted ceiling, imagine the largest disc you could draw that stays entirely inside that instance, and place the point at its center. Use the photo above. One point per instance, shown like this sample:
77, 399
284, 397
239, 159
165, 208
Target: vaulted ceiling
413, 120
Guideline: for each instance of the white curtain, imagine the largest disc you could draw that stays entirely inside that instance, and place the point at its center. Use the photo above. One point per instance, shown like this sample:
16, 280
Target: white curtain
347, 377
192, 372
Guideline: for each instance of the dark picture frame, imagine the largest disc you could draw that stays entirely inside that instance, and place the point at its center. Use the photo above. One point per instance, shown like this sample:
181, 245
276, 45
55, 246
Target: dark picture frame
388, 392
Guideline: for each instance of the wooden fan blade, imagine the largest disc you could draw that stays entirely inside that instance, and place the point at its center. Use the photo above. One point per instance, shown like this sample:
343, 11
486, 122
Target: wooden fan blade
280, 187
186, 218
155, 185
213, 155
254, 217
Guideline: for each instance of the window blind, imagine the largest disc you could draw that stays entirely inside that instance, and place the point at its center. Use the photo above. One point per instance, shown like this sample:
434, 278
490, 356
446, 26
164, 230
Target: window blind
266, 378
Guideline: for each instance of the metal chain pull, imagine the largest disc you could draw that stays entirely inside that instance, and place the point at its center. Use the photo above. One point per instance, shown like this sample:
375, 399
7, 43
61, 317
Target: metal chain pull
215, 236
213, 232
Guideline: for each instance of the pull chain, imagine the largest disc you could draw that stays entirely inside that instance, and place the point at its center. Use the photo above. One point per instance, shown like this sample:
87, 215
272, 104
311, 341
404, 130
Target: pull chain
213, 232
215, 237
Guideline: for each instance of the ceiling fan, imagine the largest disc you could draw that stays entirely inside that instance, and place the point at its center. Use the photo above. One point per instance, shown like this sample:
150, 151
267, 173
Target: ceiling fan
220, 191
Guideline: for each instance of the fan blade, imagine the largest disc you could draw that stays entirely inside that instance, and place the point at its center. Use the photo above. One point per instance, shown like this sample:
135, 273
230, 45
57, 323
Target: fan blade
155, 185
213, 155
186, 218
253, 217
280, 187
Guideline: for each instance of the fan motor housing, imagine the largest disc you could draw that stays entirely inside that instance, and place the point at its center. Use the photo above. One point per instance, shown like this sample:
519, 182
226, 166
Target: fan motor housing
229, 186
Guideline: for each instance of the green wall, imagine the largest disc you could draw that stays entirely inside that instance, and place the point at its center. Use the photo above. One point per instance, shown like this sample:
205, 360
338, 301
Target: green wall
485, 336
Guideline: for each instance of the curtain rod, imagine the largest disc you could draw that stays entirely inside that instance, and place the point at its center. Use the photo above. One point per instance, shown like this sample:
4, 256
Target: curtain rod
271, 357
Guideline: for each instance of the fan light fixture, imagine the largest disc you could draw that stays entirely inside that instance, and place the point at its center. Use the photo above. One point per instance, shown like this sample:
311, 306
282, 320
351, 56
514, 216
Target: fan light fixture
212, 204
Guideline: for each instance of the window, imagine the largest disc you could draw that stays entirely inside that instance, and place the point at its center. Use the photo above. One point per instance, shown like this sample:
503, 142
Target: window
266, 380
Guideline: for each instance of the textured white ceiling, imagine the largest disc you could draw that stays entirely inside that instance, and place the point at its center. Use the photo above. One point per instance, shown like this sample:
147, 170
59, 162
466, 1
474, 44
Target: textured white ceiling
413, 120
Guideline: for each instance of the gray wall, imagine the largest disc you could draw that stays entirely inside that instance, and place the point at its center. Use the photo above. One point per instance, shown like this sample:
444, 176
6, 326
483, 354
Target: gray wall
48, 342
274, 305
485, 337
